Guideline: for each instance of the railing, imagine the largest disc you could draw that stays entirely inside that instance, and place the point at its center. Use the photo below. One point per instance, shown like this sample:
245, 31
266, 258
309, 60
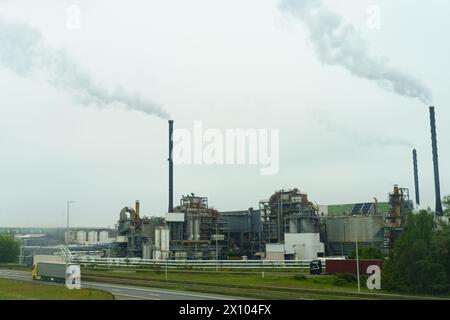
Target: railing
193, 264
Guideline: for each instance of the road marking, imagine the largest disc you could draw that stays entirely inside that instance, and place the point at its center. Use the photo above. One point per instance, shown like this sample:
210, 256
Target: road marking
113, 288
163, 292
137, 297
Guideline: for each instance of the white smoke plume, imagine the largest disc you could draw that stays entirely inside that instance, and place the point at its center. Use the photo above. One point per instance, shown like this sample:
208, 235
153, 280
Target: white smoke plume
339, 43
23, 50
360, 139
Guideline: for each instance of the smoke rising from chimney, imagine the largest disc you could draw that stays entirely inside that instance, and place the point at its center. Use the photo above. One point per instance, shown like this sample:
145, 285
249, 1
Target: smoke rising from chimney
339, 43
355, 137
23, 50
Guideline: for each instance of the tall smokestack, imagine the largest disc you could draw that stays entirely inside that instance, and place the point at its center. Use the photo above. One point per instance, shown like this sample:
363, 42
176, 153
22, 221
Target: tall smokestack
437, 186
170, 166
136, 208
416, 177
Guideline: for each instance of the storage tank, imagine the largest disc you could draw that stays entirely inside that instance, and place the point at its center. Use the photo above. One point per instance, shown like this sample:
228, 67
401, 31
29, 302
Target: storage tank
158, 239
81, 237
191, 228
197, 228
165, 239
103, 236
146, 251
92, 237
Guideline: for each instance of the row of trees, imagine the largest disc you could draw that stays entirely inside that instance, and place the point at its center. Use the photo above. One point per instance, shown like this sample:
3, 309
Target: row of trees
9, 249
420, 260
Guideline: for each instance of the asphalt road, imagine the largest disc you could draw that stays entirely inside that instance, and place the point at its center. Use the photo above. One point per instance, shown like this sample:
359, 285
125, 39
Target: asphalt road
126, 291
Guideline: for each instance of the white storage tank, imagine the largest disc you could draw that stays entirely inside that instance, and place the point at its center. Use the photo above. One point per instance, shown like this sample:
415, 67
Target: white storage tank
103, 236
146, 251
81, 237
158, 239
165, 239
92, 237
196, 228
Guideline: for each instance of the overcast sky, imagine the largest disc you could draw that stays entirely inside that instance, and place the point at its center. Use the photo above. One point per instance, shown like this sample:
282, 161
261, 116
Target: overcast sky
230, 64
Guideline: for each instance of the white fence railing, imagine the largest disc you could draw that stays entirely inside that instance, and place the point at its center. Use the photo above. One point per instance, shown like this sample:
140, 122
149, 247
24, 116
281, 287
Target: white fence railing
193, 264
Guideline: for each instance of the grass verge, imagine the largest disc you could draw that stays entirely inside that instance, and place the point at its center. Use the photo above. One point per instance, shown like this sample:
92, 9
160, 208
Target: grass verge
22, 290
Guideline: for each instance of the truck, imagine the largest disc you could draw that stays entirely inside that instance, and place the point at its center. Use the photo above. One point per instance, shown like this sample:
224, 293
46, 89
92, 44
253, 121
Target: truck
49, 271
50, 268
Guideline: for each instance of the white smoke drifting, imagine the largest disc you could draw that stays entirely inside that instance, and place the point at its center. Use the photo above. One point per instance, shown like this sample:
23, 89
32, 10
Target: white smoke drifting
22, 49
338, 43
356, 137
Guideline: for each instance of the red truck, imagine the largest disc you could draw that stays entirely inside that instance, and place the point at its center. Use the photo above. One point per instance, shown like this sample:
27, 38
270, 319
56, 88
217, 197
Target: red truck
349, 266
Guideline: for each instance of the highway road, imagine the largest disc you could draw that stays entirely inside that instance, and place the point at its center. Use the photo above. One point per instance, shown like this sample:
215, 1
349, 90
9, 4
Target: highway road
126, 291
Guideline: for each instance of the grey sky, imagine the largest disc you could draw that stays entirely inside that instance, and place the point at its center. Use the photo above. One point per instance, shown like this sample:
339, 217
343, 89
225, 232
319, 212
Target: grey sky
230, 64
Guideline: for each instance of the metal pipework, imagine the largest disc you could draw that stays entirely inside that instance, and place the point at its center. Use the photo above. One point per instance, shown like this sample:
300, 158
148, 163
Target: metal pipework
437, 185
416, 177
170, 166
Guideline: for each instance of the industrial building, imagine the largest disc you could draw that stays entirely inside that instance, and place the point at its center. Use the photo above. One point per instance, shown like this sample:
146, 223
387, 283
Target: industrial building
287, 226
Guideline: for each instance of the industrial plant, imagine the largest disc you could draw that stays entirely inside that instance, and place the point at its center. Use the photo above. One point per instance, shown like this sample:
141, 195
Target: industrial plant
285, 225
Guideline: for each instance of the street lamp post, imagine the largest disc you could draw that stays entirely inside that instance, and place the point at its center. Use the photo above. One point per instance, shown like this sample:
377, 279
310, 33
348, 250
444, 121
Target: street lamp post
68, 214
357, 264
343, 243
217, 250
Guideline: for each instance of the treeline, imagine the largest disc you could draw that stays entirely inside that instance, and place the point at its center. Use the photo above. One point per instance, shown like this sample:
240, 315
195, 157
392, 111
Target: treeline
9, 249
420, 260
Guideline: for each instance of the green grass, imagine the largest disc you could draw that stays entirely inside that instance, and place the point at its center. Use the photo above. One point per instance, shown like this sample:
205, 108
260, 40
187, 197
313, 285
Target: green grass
21, 290
325, 282
273, 286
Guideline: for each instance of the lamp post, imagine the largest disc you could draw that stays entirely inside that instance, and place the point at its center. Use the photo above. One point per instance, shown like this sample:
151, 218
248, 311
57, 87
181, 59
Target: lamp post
357, 265
68, 214
217, 250
343, 243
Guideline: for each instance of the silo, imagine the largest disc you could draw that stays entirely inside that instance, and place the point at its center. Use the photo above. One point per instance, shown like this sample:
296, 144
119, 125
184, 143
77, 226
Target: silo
158, 239
166, 240
81, 237
92, 237
197, 228
103, 236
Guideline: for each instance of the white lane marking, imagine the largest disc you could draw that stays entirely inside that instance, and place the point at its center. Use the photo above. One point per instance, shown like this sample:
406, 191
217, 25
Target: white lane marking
137, 297
114, 288
163, 292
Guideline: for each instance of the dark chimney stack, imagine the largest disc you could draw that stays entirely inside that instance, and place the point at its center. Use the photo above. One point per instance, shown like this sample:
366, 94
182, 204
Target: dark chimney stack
437, 186
170, 166
416, 177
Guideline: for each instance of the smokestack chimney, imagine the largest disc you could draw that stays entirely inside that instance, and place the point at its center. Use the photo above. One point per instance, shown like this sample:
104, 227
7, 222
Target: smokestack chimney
136, 208
437, 186
170, 166
416, 177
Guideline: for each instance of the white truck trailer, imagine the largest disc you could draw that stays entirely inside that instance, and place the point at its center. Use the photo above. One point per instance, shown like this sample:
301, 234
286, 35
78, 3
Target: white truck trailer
50, 268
